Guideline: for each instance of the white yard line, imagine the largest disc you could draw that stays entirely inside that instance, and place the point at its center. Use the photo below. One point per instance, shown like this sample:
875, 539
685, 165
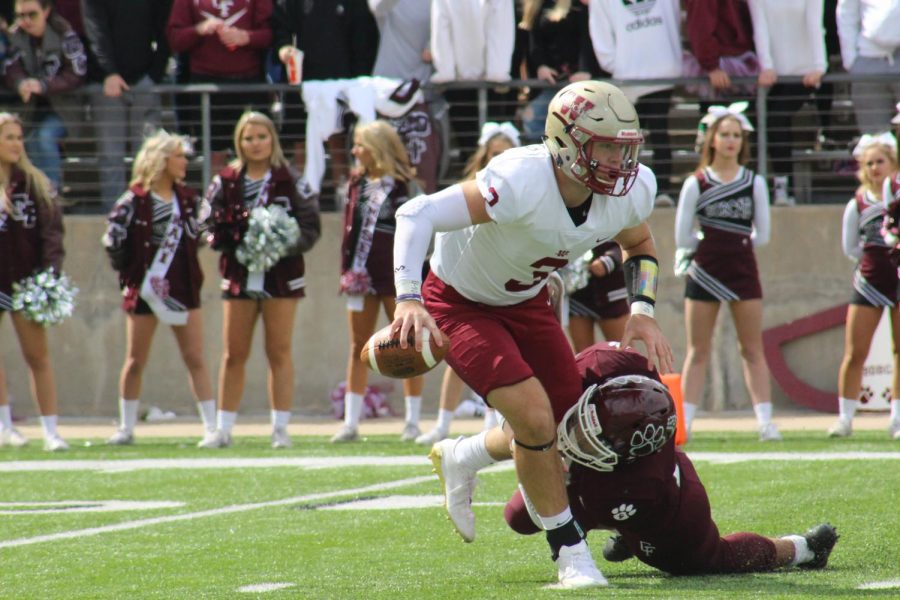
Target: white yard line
330, 462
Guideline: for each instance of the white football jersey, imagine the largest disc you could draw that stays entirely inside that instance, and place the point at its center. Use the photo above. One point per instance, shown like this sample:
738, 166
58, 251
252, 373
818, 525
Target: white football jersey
508, 260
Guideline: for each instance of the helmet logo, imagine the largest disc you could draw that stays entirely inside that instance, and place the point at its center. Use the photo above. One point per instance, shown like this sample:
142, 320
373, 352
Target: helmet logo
623, 512
648, 441
574, 105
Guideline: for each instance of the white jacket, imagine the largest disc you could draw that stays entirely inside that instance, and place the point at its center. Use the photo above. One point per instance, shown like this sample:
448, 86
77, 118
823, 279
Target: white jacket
859, 23
789, 35
472, 40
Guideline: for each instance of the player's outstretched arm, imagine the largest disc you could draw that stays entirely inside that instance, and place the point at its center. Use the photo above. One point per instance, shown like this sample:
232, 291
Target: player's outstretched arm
641, 273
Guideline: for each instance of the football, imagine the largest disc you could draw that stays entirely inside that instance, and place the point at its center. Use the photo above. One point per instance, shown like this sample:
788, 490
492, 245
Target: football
384, 355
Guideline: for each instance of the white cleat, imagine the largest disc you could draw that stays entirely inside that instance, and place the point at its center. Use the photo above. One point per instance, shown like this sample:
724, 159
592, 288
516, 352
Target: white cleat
280, 438
55, 443
215, 439
410, 432
769, 433
893, 430
11, 437
431, 438
577, 568
459, 485
841, 429
122, 437
345, 434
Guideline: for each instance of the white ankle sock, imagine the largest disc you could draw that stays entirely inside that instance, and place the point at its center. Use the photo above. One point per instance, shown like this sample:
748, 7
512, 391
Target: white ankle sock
490, 419
128, 413
556, 521
472, 452
5, 417
445, 417
802, 553
763, 412
207, 410
352, 409
847, 409
895, 410
48, 422
690, 410
225, 421
413, 408
281, 418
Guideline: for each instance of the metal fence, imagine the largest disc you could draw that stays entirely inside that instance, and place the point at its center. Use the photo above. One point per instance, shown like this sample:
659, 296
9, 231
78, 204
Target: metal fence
815, 153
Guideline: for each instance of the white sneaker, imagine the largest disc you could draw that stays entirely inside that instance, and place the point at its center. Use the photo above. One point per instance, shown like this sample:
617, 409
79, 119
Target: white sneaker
345, 434
431, 438
780, 192
280, 438
577, 568
459, 485
841, 428
769, 433
12, 437
122, 437
410, 432
664, 201
55, 444
893, 430
215, 439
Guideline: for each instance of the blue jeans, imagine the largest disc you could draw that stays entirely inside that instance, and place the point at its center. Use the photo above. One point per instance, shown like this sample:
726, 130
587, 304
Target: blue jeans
42, 145
534, 118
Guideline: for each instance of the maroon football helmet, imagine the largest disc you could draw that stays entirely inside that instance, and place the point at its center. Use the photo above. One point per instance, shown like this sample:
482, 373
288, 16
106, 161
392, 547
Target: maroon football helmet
623, 419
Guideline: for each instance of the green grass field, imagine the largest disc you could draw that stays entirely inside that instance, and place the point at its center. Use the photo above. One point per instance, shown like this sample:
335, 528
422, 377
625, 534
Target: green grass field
362, 521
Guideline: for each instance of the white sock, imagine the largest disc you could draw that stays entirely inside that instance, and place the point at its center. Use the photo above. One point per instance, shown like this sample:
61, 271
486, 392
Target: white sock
413, 408
895, 410
556, 521
225, 421
207, 410
490, 419
5, 417
763, 412
281, 418
472, 452
128, 413
847, 409
689, 411
445, 417
48, 422
802, 553
352, 409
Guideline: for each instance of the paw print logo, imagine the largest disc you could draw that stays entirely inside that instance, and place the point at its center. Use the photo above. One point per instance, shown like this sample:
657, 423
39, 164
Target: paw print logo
866, 394
623, 511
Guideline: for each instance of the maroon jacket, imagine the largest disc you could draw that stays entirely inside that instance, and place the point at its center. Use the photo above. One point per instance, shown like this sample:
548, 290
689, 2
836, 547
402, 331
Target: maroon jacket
228, 223
208, 56
128, 242
30, 236
718, 28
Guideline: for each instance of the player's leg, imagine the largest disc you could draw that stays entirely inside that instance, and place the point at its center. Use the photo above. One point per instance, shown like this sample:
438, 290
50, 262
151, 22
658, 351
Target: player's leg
278, 315
858, 332
139, 331
700, 319
190, 344
33, 341
894, 424
412, 389
9, 435
361, 325
747, 315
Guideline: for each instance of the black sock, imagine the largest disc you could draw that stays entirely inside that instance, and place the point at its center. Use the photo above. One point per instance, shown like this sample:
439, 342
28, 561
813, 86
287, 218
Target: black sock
568, 534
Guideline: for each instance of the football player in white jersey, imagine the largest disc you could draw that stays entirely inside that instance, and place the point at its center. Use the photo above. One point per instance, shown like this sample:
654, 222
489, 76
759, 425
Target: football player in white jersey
527, 214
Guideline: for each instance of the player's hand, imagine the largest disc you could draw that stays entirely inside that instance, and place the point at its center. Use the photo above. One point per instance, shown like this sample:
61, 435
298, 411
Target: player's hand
646, 329
413, 315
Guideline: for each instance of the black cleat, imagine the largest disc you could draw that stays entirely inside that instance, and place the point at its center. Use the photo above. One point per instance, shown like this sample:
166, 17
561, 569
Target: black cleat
615, 549
821, 540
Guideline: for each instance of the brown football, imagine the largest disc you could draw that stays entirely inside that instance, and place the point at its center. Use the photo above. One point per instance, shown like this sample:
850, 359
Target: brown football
384, 355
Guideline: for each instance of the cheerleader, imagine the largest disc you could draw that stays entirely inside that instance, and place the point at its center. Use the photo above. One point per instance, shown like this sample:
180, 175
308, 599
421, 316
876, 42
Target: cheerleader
31, 231
259, 186
152, 238
731, 204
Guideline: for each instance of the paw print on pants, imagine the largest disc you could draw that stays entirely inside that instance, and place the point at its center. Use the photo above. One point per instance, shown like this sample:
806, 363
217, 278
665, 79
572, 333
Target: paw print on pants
623, 511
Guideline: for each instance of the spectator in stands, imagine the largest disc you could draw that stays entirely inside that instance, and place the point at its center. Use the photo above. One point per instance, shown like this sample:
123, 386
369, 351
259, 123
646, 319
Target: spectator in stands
789, 41
339, 40
720, 33
874, 282
152, 237
258, 178
383, 181
634, 41
559, 50
31, 230
129, 44
47, 59
870, 44
732, 205
495, 139
226, 43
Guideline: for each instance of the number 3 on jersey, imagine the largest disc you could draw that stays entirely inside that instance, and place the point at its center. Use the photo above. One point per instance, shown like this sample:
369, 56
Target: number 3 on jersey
542, 269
